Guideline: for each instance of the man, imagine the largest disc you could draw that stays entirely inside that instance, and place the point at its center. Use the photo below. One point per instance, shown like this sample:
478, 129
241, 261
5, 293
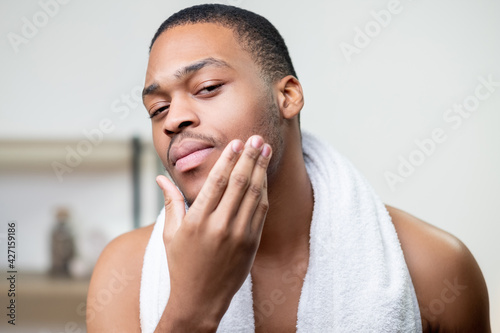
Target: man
224, 102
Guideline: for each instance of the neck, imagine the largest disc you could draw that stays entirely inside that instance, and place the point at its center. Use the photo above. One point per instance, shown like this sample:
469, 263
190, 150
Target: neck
285, 236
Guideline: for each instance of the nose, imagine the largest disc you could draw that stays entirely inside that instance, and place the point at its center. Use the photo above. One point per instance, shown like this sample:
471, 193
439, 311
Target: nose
181, 115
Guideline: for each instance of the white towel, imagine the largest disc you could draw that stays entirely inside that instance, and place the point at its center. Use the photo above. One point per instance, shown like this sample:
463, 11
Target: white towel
357, 279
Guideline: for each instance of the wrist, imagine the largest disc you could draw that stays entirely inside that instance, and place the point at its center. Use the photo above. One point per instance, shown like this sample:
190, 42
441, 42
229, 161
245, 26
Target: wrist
181, 317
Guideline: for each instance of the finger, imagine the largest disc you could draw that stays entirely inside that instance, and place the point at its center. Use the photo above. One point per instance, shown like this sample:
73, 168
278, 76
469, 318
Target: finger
254, 203
217, 180
174, 206
241, 176
260, 213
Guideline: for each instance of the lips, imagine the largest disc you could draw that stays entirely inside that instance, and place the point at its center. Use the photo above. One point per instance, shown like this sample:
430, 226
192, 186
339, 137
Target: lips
189, 154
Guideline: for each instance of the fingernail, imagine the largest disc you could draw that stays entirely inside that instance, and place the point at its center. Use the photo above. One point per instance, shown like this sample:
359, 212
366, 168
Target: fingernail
237, 146
266, 151
257, 142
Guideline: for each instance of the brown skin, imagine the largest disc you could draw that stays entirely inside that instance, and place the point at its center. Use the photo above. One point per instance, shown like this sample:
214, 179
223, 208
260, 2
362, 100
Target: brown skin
229, 216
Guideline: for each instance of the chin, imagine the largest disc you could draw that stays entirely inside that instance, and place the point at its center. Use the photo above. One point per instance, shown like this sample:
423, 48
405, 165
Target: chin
191, 189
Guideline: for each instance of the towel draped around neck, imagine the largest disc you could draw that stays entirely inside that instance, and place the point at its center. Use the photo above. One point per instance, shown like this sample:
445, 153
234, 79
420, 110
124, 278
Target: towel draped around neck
357, 279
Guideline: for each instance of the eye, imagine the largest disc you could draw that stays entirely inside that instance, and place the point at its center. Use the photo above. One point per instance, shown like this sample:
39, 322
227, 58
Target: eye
158, 111
209, 89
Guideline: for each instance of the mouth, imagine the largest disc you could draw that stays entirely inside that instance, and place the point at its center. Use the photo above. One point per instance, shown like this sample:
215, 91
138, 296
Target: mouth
189, 154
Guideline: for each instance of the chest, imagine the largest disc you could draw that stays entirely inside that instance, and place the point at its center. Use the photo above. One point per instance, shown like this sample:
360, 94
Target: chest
276, 295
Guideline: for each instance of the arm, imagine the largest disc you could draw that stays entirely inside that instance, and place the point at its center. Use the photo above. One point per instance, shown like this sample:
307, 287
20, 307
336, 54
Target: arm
211, 248
450, 287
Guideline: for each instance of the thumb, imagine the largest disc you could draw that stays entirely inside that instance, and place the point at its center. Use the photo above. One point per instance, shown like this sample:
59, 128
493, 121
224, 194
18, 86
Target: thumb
174, 206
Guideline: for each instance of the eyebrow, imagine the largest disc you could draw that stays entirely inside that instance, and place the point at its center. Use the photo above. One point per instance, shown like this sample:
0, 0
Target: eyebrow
188, 70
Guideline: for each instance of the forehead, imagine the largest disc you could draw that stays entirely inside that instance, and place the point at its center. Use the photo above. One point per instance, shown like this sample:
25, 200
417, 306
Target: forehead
183, 45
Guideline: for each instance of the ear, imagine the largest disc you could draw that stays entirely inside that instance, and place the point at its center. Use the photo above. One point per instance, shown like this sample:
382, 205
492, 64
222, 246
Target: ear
290, 96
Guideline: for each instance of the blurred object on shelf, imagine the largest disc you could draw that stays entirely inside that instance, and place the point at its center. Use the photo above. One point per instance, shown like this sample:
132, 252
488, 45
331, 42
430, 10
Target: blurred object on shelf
62, 245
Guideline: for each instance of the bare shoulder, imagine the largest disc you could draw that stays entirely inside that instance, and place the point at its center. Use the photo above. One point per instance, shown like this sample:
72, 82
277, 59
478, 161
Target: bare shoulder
113, 297
450, 287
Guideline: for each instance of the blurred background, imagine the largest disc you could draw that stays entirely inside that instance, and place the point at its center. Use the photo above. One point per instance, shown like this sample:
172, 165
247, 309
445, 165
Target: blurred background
408, 90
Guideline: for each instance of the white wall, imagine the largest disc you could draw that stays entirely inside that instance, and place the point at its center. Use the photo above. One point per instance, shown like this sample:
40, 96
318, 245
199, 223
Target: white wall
80, 67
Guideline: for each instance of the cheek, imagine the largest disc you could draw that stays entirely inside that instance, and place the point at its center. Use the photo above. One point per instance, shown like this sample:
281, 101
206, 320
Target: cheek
238, 117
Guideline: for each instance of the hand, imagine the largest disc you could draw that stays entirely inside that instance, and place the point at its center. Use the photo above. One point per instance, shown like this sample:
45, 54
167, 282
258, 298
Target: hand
211, 248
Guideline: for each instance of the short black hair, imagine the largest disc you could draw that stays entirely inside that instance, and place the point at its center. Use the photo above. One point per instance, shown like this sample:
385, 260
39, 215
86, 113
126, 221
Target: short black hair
255, 34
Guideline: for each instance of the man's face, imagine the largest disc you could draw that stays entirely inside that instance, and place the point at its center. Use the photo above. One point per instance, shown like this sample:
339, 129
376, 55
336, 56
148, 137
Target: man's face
202, 91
